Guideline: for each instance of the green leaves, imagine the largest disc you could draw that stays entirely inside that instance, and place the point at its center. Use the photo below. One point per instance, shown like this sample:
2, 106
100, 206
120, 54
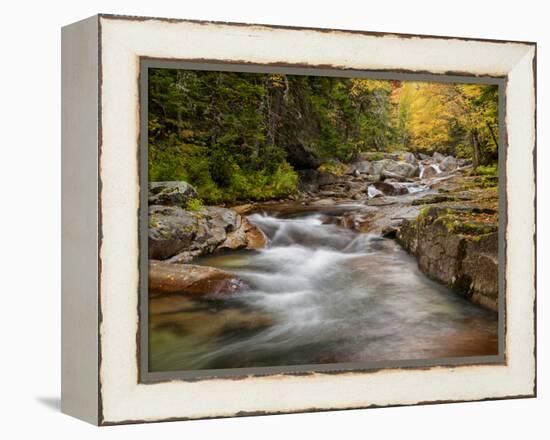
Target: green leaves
238, 136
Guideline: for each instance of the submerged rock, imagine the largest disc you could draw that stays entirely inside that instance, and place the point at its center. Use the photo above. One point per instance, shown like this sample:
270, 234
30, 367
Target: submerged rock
179, 315
191, 279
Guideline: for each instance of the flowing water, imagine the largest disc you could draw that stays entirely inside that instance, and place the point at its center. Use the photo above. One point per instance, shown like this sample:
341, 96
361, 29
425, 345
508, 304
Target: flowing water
318, 294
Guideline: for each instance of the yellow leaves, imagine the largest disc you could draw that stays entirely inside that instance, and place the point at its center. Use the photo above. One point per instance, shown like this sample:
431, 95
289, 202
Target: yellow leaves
277, 80
472, 91
360, 86
424, 112
187, 134
427, 111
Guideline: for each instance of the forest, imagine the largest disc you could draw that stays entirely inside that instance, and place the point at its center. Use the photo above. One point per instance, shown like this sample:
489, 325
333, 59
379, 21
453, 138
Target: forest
301, 220
244, 136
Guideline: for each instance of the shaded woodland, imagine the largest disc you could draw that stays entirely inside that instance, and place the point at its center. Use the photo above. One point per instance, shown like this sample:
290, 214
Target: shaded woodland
244, 136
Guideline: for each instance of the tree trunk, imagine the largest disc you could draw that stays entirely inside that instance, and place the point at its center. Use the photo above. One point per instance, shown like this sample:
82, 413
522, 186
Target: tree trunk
475, 148
493, 135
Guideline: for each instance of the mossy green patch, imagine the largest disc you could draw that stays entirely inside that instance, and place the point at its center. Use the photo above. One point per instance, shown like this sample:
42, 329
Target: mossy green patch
194, 205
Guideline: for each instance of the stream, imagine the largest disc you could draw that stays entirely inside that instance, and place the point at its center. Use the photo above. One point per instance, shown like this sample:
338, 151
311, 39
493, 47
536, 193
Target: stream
319, 293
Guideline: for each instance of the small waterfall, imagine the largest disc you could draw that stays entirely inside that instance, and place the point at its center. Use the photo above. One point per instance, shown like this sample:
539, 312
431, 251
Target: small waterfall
373, 192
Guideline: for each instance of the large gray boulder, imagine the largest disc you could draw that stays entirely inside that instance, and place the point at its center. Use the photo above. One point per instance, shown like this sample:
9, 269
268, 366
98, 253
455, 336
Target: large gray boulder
428, 172
363, 167
391, 189
448, 164
438, 157
179, 235
394, 169
173, 193
409, 158
379, 165
176, 231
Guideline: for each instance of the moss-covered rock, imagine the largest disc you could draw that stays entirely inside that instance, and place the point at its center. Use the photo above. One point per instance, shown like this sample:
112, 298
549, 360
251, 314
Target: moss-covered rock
457, 247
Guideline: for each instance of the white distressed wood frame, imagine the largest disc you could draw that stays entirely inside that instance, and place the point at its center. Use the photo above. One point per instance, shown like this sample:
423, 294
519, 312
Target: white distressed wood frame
101, 65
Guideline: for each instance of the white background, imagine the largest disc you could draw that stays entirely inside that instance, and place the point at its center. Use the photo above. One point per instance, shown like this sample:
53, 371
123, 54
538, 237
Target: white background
30, 217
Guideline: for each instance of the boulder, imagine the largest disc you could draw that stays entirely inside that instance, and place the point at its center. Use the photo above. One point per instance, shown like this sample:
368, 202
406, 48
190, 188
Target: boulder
424, 156
326, 178
393, 169
378, 166
463, 162
448, 164
428, 172
308, 180
409, 158
391, 189
438, 157
174, 231
174, 193
456, 252
363, 167
247, 236
191, 279
353, 188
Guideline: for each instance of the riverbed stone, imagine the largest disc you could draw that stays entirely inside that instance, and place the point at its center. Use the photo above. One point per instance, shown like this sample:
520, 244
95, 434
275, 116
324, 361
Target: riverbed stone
247, 236
363, 167
394, 169
390, 189
191, 279
176, 231
409, 157
448, 164
429, 172
326, 178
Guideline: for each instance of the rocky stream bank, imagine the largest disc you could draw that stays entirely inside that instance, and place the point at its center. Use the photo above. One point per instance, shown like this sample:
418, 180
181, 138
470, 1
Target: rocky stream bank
435, 207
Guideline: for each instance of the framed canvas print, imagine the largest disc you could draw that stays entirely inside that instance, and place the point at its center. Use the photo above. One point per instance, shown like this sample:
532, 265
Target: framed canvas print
262, 219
